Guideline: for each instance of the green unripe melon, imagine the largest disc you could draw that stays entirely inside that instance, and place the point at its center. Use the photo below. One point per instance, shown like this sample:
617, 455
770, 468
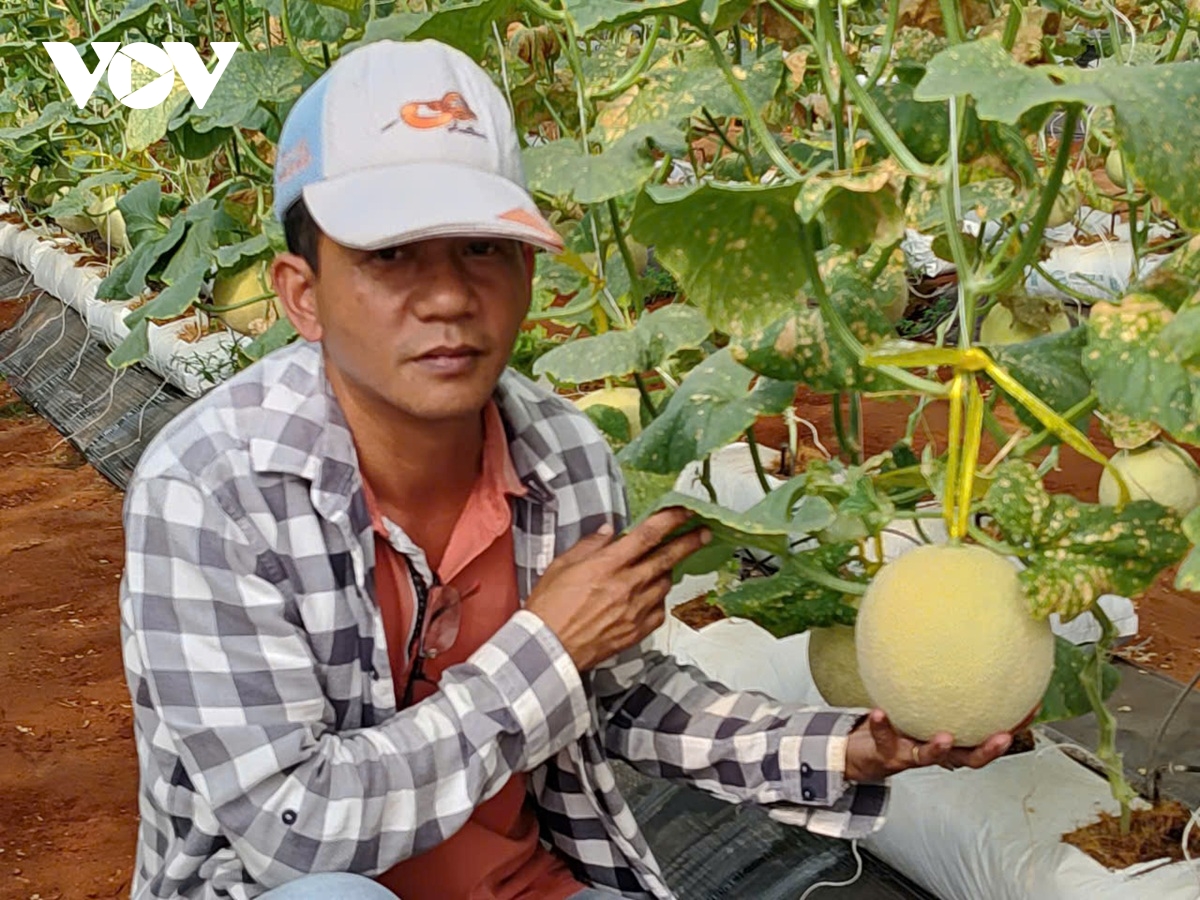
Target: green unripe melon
946, 642
833, 662
999, 327
1160, 472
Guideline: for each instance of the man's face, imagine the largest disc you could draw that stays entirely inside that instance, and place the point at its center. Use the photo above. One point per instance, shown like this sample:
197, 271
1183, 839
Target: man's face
426, 327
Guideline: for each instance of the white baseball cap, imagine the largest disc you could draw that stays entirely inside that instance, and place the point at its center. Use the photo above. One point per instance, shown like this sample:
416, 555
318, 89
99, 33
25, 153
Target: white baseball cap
403, 141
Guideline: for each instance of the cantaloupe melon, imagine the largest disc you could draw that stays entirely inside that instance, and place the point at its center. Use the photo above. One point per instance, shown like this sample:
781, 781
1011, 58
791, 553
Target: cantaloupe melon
229, 291
110, 223
999, 327
946, 642
833, 662
626, 399
1161, 472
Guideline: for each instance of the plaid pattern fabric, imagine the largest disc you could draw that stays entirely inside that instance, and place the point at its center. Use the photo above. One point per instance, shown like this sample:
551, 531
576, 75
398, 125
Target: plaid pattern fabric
269, 741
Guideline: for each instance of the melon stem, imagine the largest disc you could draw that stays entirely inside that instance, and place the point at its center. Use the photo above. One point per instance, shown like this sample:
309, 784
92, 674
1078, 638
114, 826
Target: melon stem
1106, 750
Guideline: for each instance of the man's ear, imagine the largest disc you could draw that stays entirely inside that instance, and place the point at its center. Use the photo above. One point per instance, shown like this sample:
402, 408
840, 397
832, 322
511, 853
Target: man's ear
295, 283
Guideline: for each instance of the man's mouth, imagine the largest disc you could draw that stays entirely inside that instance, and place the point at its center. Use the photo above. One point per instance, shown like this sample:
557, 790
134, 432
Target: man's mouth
450, 360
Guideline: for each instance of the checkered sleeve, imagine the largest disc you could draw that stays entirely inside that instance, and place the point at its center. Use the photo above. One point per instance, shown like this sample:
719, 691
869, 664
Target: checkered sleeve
669, 720
227, 667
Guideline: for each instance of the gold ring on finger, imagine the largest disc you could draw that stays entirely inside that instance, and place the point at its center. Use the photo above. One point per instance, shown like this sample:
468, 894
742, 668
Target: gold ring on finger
916, 755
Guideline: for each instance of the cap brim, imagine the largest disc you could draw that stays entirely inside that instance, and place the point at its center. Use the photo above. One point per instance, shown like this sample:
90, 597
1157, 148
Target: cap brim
377, 208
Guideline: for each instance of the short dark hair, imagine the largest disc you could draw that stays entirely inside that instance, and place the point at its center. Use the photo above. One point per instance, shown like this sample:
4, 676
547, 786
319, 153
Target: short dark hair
301, 232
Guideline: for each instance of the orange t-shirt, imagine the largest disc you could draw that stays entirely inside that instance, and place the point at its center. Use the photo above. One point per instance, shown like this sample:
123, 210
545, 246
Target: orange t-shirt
496, 855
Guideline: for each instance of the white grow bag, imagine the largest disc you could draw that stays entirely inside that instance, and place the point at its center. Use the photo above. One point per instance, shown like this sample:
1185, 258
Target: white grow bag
54, 270
988, 834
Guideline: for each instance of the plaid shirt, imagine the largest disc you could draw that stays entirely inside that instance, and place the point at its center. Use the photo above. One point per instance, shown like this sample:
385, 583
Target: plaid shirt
269, 741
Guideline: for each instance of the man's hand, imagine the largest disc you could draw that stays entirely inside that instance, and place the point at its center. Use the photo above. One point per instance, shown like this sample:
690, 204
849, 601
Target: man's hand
875, 750
603, 595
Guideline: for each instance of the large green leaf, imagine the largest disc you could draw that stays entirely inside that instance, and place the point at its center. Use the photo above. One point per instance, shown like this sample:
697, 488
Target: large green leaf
133, 348
1052, 367
675, 89
655, 338
1142, 359
924, 127
128, 277
1075, 552
135, 15
173, 300
1156, 108
262, 76
591, 15
466, 26
734, 248
772, 524
712, 407
149, 126
856, 211
801, 345
1065, 696
561, 168
991, 199
312, 21
791, 602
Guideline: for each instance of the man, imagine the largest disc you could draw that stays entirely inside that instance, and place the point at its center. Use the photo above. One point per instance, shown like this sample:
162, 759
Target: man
380, 633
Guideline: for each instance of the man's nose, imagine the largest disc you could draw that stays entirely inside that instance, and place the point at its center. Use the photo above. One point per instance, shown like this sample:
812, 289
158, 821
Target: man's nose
445, 291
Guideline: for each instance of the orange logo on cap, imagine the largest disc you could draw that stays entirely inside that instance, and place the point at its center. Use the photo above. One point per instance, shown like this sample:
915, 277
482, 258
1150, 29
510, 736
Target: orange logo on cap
437, 113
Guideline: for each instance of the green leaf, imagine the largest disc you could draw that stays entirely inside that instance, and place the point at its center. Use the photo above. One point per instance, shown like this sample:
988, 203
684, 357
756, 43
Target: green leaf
236, 256
128, 277
644, 489
145, 127
1156, 108
281, 333
924, 127
314, 20
133, 349
135, 15
801, 346
263, 76
612, 423
466, 26
1075, 552
1188, 576
712, 406
655, 338
991, 199
140, 207
673, 90
1065, 697
734, 248
200, 242
561, 168
771, 524
1142, 367
856, 211
173, 300
592, 15
789, 602
1052, 367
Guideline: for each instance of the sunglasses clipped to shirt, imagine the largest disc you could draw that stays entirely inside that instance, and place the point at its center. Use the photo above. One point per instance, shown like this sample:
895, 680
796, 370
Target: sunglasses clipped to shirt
441, 604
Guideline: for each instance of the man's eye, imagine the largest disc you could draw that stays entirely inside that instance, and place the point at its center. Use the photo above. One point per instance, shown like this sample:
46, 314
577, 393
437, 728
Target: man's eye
387, 254
483, 248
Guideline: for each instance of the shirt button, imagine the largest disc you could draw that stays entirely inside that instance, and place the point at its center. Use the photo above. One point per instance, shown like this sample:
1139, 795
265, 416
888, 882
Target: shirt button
289, 817
807, 794
805, 769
